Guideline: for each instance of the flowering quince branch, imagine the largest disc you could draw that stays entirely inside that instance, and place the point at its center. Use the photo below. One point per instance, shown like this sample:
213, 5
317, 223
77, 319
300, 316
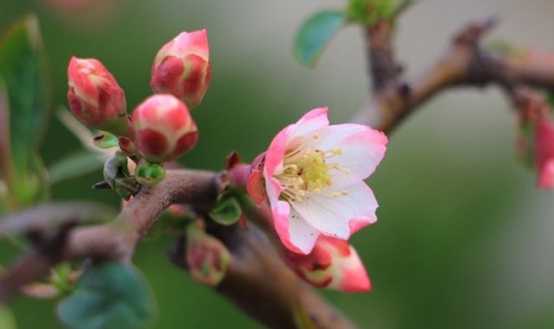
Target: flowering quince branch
259, 232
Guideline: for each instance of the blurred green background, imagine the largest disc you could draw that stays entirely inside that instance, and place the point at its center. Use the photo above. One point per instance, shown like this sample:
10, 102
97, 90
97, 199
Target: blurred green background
464, 240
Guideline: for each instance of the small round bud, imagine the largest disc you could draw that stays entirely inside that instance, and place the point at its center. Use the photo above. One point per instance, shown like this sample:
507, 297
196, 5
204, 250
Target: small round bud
182, 67
207, 258
150, 174
163, 128
94, 96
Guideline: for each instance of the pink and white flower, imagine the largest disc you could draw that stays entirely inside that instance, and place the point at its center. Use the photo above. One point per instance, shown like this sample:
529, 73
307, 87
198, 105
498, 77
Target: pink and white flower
182, 67
313, 176
333, 264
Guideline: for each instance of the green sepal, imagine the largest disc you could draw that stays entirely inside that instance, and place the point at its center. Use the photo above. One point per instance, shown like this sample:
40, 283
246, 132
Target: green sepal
227, 210
105, 140
149, 173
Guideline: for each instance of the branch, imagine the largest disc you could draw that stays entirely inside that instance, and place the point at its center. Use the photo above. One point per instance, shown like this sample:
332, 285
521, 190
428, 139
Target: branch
464, 64
112, 241
258, 280
260, 283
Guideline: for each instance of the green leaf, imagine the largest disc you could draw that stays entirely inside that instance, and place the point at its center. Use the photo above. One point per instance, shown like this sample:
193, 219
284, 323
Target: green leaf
22, 68
7, 321
369, 12
227, 211
75, 165
109, 296
315, 34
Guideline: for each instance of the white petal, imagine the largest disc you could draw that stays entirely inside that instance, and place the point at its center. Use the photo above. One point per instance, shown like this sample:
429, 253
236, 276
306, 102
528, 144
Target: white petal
361, 149
339, 215
301, 234
312, 121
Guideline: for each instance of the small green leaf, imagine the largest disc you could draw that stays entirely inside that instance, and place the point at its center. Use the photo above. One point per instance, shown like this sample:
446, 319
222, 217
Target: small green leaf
227, 211
315, 34
22, 69
109, 296
7, 321
73, 166
105, 140
370, 12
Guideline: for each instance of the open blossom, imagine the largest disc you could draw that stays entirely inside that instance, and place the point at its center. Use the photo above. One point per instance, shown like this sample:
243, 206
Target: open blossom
163, 128
332, 264
94, 96
313, 177
544, 135
182, 67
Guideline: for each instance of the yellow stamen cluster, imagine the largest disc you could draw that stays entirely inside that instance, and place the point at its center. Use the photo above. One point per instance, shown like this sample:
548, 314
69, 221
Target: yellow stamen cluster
306, 171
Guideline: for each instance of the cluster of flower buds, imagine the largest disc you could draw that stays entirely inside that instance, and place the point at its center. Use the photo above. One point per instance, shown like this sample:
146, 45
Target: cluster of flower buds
535, 143
161, 128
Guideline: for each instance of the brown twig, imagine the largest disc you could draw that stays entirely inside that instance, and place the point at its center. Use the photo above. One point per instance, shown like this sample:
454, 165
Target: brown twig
115, 240
258, 281
464, 64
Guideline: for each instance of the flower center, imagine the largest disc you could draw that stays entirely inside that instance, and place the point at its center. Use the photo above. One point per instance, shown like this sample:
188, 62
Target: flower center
306, 171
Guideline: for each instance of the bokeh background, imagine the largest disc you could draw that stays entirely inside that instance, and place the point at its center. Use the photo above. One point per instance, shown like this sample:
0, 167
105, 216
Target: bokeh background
464, 239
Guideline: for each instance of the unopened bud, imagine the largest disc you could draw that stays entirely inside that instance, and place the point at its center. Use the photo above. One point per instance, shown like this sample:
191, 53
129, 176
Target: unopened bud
94, 96
163, 128
207, 258
545, 152
182, 67
333, 263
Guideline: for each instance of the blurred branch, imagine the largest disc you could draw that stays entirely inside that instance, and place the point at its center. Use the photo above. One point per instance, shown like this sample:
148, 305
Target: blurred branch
51, 230
258, 281
464, 64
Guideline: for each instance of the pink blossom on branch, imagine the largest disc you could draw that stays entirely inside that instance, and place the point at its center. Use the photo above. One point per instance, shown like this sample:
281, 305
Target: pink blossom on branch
313, 177
163, 128
332, 264
182, 67
94, 96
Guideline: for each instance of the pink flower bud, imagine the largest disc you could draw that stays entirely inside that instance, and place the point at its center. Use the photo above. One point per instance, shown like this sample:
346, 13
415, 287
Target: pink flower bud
95, 97
182, 67
207, 258
163, 128
544, 135
333, 263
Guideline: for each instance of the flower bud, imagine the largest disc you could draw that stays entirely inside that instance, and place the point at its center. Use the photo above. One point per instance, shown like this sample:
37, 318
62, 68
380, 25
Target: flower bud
333, 263
182, 67
544, 135
94, 96
163, 128
207, 258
